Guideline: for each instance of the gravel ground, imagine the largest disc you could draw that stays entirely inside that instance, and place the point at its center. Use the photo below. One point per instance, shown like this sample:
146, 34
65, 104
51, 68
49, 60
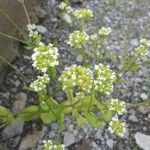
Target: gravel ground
128, 19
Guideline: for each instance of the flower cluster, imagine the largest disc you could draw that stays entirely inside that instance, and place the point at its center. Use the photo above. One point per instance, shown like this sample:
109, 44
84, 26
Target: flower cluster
49, 145
40, 83
78, 39
83, 14
104, 32
142, 49
65, 8
94, 37
117, 106
44, 57
32, 31
77, 76
117, 127
104, 78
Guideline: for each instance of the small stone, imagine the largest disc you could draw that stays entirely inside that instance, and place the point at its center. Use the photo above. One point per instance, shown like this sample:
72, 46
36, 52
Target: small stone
20, 102
41, 29
15, 129
98, 134
142, 140
29, 141
79, 58
69, 139
144, 109
110, 143
67, 19
134, 42
133, 118
143, 96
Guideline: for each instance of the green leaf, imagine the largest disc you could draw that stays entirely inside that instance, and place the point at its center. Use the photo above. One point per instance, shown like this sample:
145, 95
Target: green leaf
6, 116
80, 119
29, 113
47, 117
44, 106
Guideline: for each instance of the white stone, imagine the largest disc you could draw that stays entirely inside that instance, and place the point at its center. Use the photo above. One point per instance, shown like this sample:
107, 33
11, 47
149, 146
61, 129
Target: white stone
41, 29
134, 42
69, 139
142, 140
110, 143
67, 19
143, 96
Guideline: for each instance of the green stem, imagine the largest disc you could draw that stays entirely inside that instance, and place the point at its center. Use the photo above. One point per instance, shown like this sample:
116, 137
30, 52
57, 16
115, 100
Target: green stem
8, 17
83, 51
3, 59
70, 95
11, 37
26, 12
91, 100
100, 50
82, 25
134, 105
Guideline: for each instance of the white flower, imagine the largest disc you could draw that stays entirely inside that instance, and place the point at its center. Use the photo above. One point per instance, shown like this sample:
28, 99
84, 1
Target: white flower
31, 27
44, 57
40, 83
117, 127
83, 13
104, 31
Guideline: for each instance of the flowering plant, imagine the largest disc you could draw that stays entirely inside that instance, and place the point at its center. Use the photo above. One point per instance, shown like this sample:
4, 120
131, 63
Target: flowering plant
81, 84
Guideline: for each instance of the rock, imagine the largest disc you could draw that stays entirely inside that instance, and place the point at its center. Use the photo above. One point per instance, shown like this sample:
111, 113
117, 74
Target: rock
142, 140
69, 139
143, 109
41, 29
79, 58
10, 131
134, 42
29, 141
98, 134
133, 118
143, 96
20, 102
9, 48
110, 143
67, 19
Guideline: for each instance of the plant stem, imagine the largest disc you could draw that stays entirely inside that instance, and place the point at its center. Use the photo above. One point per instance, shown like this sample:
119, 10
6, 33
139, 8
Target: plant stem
9, 18
70, 95
146, 102
91, 100
83, 51
26, 12
11, 37
82, 25
18, 71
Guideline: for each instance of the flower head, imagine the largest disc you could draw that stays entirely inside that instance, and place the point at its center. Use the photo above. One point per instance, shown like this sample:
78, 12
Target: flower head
117, 127
31, 27
104, 32
49, 145
44, 57
40, 83
117, 106
65, 8
145, 42
142, 49
83, 14
78, 39
104, 78
77, 76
